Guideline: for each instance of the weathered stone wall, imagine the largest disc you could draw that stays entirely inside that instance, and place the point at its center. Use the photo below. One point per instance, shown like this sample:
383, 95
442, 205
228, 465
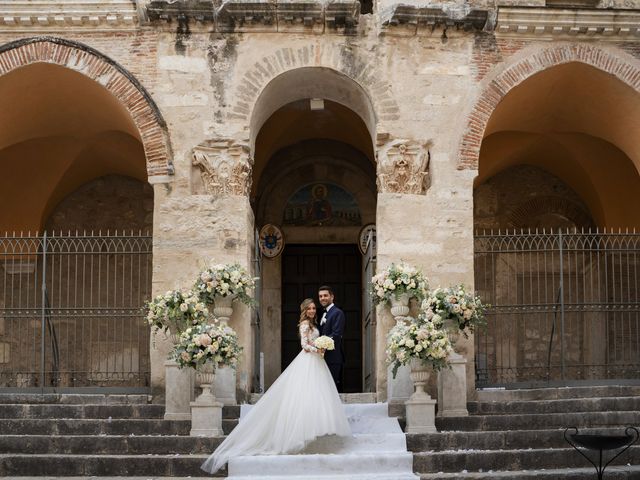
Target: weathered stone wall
431, 90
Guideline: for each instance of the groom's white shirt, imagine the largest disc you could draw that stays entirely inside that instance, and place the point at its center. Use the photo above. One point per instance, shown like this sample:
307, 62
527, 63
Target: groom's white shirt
323, 320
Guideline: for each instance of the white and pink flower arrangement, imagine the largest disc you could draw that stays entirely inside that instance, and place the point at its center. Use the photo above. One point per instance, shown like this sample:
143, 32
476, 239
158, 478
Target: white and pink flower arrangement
176, 311
214, 344
462, 308
396, 280
419, 339
224, 280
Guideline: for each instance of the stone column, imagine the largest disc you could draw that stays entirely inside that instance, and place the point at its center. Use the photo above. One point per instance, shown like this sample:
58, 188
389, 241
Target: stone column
402, 180
225, 172
428, 224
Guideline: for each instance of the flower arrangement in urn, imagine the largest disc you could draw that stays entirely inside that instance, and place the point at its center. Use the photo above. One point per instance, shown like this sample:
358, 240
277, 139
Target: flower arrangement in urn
213, 344
230, 280
397, 280
176, 311
454, 304
421, 340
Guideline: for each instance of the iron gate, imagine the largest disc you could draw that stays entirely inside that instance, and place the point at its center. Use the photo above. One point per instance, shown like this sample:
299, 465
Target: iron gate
565, 308
369, 315
70, 312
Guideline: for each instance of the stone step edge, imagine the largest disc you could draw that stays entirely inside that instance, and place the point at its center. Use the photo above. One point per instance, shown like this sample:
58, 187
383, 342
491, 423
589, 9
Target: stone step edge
466, 451
551, 400
140, 477
541, 473
70, 398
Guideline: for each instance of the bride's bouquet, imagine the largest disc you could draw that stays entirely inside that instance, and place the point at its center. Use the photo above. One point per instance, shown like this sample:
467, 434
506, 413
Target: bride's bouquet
324, 342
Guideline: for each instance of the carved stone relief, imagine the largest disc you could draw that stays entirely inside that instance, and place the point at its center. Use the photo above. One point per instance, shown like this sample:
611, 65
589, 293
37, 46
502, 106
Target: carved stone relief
225, 167
403, 166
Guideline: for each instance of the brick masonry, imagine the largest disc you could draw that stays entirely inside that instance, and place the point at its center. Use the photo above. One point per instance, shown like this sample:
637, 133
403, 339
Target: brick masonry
118, 81
342, 60
488, 52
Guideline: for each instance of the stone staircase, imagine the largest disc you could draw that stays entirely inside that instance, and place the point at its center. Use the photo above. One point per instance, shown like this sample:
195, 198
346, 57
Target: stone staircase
509, 435
518, 434
99, 435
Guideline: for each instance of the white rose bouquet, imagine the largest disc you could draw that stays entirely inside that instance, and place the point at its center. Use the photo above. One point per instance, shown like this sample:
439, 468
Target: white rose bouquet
325, 343
465, 310
225, 280
419, 339
176, 310
207, 343
396, 280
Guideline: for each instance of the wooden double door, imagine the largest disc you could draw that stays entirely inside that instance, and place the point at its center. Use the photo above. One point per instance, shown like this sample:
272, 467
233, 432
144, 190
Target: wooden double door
304, 269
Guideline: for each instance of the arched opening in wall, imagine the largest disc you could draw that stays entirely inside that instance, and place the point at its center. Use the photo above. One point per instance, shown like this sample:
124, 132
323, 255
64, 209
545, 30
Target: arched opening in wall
556, 218
314, 179
76, 226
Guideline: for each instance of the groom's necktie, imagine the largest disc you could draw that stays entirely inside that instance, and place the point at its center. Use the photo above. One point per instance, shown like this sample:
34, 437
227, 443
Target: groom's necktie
323, 320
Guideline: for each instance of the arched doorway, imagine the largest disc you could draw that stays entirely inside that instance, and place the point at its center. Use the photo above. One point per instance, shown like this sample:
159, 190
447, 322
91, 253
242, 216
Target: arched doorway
556, 248
76, 230
314, 178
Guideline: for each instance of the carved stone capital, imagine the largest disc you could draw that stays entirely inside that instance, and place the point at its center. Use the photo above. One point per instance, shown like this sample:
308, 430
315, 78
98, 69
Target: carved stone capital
403, 167
225, 167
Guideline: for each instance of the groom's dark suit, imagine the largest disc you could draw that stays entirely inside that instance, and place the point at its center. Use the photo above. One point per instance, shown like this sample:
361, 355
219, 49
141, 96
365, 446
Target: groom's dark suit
334, 328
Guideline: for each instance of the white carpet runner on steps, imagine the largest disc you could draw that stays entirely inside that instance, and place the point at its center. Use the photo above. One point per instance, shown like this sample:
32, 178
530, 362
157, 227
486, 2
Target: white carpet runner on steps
377, 451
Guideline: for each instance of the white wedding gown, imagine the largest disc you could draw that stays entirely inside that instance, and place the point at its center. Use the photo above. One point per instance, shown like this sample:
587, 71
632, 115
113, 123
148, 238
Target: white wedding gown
301, 405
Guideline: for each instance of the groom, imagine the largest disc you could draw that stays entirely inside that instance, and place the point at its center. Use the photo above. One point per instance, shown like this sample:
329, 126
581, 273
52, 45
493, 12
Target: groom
332, 325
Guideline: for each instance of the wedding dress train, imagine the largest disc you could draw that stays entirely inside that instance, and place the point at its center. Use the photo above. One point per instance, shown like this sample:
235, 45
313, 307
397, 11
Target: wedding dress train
301, 405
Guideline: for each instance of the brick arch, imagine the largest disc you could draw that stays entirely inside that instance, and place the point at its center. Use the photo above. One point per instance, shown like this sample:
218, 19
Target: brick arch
118, 81
343, 59
501, 85
521, 215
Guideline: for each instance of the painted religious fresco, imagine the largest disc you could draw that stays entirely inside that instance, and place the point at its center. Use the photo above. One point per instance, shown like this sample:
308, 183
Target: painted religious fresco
320, 204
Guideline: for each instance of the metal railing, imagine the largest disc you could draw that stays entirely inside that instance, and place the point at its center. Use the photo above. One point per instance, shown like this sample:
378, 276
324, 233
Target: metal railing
565, 307
71, 311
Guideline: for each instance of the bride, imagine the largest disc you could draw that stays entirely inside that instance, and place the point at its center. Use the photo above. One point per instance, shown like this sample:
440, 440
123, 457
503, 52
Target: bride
301, 405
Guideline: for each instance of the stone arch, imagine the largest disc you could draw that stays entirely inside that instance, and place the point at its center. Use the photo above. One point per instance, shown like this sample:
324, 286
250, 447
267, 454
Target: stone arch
616, 64
344, 62
119, 82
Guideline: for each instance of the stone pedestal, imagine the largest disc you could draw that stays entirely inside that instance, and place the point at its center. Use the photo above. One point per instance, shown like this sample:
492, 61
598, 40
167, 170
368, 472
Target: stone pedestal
206, 415
452, 388
399, 389
224, 384
421, 414
178, 388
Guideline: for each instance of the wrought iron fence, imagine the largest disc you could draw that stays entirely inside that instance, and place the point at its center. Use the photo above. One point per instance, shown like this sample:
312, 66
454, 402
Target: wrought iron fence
565, 307
70, 311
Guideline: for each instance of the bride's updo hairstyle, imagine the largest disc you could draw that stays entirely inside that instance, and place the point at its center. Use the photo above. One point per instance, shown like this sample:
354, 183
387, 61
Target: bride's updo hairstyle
304, 306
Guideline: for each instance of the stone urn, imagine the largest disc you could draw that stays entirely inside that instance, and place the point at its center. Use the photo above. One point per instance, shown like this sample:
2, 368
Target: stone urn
420, 374
205, 377
453, 332
174, 337
223, 307
206, 411
420, 408
400, 307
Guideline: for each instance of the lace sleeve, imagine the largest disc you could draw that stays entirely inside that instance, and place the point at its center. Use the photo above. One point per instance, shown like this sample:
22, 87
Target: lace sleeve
305, 341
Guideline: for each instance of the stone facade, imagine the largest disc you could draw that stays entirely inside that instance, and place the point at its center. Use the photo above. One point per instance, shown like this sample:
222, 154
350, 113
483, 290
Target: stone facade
411, 87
